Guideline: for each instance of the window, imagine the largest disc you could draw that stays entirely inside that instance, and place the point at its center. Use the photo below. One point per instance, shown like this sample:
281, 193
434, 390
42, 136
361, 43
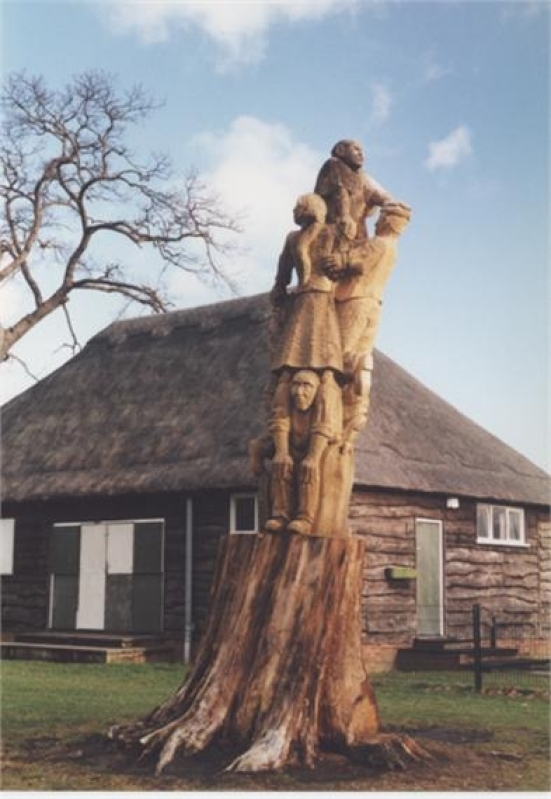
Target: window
498, 524
243, 513
7, 528
107, 576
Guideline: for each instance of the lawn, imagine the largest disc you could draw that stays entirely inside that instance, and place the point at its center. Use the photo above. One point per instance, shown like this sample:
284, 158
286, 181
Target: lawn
55, 716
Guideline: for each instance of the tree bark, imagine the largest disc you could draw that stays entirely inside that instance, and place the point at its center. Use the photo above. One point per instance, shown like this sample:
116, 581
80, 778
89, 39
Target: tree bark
279, 673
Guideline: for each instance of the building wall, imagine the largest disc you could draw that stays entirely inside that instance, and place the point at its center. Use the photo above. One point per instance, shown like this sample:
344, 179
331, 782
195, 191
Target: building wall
25, 594
210, 523
509, 582
512, 583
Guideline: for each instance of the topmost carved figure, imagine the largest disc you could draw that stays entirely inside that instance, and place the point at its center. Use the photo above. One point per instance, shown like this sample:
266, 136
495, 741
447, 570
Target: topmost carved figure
349, 193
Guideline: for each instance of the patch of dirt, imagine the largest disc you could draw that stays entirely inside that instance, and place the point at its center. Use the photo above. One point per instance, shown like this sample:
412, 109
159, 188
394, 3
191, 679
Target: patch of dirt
451, 735
456, 764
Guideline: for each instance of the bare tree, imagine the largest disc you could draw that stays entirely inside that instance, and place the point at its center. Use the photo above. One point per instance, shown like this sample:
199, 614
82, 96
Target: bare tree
69, 180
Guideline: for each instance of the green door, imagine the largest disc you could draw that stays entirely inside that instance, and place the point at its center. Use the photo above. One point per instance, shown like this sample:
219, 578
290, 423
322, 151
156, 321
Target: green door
430, 590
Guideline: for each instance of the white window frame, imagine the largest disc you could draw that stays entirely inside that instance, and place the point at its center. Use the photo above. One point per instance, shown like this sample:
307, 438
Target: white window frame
508, 512
441, 609
7, 541
233, 513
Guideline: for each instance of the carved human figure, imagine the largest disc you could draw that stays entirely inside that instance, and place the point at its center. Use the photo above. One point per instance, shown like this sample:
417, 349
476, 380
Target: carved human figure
305, 331
322, 334
362, 275
349, 193
306, 418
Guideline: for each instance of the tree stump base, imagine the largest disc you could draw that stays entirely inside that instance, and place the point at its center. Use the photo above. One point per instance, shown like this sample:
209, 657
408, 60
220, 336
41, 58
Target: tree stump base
279, 672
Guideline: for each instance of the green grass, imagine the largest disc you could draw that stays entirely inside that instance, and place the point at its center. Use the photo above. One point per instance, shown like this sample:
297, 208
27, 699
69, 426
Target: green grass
44, 702
448, 698
56, 699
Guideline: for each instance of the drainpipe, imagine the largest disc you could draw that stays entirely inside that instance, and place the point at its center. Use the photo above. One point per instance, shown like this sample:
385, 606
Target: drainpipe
188, 581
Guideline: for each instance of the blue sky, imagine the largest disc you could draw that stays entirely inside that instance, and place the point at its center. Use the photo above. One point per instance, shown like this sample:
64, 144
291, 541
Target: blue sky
451, 102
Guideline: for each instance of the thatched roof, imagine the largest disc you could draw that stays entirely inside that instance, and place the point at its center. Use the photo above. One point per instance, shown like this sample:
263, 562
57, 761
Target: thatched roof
169, 403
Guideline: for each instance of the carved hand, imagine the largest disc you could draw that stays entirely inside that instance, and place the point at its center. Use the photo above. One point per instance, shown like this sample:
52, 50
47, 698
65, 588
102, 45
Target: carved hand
349, 227
331, 265
282, 466
308, 470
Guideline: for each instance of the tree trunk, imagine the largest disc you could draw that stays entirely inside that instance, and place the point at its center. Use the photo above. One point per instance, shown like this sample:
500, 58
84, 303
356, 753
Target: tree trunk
279, 673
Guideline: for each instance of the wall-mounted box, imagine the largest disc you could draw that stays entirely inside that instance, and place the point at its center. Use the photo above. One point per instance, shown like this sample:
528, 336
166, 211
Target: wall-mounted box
400, 573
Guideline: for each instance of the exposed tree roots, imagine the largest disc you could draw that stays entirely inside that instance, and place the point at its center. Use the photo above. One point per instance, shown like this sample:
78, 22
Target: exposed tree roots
279, 673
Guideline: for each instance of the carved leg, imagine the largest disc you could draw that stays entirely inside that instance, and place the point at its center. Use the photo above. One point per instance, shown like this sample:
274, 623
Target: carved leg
282, 500
308, 498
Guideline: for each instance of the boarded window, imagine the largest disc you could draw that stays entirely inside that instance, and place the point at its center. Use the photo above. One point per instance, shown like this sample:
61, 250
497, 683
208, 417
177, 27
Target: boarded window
148, 548
120, 548
64, 602
107, 576
64, 568
7, 533
65, 549
147, 598
118, 602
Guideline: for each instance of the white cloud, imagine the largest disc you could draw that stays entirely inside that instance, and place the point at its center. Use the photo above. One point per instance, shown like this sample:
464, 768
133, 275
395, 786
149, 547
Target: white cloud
258, 170
381, 104
13, 301
239, 29
451, 150
434, 71
519, 10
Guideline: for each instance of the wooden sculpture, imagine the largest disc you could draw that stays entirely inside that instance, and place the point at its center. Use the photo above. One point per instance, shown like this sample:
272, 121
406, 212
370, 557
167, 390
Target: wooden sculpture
279, 677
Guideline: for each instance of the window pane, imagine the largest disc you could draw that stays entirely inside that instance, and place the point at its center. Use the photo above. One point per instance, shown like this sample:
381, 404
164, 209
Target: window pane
65, 549
148, 547
483, 521
515, 525
245, 513
65, 602
118, 602
499, 521
147, 603
120, 548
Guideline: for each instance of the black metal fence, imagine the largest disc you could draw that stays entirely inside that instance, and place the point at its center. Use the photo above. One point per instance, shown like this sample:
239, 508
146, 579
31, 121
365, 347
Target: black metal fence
499, 660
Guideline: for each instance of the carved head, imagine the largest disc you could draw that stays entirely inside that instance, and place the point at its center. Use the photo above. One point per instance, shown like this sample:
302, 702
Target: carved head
350, 152
393, 219
309, 208
304, 387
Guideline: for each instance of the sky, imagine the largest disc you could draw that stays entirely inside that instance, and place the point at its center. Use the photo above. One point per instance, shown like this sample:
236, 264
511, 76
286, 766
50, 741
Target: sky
451, 103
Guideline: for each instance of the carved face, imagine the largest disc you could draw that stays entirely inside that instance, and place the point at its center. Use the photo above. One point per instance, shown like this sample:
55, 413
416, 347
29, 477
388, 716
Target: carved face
303, 389
351, 153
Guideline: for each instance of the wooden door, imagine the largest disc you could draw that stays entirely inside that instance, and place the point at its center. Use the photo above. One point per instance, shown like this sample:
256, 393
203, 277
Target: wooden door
430, 589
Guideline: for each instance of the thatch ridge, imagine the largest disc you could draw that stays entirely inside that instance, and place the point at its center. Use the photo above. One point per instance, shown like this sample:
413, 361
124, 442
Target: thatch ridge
169, 403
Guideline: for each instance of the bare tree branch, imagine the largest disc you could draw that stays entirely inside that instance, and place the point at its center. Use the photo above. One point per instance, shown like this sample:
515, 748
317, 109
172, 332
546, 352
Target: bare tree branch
70, 184
24, 366
75, 345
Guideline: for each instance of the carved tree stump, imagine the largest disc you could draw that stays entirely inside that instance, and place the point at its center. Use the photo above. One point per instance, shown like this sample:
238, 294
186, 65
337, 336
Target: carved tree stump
279, 672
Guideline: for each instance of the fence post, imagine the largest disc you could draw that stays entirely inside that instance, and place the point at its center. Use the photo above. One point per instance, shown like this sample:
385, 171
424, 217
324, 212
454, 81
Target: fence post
493, 633
477, 649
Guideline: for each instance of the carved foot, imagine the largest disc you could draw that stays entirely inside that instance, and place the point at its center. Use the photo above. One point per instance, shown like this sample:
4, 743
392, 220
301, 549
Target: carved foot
276, 525
301, 526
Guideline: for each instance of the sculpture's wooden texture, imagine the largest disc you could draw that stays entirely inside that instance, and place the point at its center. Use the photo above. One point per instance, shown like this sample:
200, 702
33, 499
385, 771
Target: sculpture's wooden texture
279, 674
